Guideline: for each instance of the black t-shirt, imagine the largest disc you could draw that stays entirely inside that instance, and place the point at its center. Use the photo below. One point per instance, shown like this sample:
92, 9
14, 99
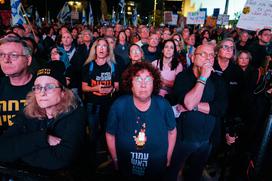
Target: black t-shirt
195, 125
98, 75
150, 56
258, 53
233, 78
127, 126
12, 100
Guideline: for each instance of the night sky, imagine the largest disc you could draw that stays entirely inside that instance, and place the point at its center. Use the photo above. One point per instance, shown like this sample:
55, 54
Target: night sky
144, 7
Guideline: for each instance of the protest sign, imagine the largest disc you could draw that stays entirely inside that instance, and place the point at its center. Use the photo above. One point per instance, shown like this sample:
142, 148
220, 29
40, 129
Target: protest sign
196, 17
257, 14
223, 19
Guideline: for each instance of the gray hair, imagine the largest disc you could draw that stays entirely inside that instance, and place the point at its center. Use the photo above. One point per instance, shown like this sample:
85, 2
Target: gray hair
26, 49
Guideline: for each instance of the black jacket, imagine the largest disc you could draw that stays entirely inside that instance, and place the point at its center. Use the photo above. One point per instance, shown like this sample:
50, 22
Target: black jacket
27, 141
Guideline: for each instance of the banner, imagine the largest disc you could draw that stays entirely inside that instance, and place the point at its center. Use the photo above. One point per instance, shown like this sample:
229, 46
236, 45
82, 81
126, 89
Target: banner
216, 12
211, 21
223, 19
196, 17
170, 18
257, 14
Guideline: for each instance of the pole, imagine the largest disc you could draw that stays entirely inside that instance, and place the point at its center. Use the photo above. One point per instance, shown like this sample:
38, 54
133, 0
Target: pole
226, 7
24, 14
155, 9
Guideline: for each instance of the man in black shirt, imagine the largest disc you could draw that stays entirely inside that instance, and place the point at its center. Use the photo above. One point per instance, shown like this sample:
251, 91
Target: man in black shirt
15, 58
242, 44
151, 51
202, 98
258, 48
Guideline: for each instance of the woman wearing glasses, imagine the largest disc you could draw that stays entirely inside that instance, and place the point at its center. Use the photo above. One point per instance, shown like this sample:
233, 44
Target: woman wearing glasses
50, 132
141, 138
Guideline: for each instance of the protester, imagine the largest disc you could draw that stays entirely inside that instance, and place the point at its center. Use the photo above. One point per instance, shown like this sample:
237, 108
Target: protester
169, 66
151, 50
202, 96
142, 138
50, 132
15, 59
100, 81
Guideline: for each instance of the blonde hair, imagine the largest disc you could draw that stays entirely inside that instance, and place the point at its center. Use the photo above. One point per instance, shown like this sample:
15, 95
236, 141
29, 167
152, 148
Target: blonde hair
92, 55
67, 103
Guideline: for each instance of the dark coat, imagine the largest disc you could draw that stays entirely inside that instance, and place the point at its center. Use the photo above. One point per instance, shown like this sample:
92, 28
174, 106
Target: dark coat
27, 141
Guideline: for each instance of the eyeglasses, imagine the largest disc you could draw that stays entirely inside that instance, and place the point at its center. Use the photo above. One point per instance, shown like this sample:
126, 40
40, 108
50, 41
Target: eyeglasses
48, 88
135, 51
205, 54
12, 56
147, 80
102, 46
226, 47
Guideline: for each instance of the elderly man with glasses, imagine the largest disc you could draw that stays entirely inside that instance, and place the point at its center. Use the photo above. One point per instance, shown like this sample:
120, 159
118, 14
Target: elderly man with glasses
201, 96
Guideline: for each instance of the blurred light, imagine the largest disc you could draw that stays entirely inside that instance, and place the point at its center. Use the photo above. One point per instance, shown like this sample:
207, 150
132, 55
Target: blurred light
42, 18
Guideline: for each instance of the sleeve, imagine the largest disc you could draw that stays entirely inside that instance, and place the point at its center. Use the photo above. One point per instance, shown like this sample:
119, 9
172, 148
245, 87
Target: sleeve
112, 122
60, 156
219, 105
181, 87
16, 142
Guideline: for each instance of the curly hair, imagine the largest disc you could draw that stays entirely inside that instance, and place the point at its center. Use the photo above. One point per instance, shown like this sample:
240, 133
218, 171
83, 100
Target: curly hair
133, 70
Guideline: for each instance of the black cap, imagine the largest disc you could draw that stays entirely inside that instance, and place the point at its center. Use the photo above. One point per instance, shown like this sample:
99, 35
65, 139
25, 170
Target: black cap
54, 69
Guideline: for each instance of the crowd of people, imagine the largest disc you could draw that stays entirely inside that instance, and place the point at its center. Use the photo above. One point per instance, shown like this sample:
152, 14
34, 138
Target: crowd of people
163, 102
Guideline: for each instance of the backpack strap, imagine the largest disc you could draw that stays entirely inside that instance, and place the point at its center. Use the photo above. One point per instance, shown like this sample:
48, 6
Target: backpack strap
91, 67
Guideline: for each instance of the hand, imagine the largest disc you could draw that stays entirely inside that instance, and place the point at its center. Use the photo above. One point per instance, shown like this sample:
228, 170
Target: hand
106, 90
230, 139
180, 108
206, 70
53, 140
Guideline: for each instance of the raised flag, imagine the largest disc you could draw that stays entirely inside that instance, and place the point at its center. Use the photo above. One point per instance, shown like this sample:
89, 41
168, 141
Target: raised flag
134, 17
122, 12
84, 18
37, 19
64, 13
16, 13
113, 17
91, 18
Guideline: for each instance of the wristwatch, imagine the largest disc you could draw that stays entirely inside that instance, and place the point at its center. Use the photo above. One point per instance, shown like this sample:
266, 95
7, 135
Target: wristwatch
195, 108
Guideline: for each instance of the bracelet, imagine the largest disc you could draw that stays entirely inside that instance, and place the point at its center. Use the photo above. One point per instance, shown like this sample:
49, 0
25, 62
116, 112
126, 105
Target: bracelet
202, 78
201, 81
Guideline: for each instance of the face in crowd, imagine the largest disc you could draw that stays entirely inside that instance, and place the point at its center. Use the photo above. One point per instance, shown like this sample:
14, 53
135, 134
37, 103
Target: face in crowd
243, 60
13, 59
142, 85
66, 39
226, 50
168, 49
204, 54
135, 53
102, 49
48, 92
153, 40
